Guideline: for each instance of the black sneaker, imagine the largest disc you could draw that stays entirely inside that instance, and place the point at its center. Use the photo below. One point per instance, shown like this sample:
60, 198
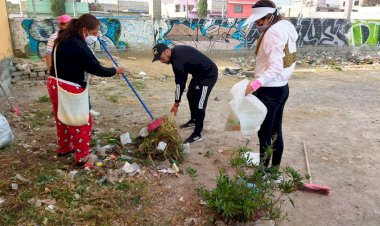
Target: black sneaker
193, 139
188, 125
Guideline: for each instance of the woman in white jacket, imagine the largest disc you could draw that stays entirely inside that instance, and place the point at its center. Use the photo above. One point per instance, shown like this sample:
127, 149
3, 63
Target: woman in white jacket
275, 62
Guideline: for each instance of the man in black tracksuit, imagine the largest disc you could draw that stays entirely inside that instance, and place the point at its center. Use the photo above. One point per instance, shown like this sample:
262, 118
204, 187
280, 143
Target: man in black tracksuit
187, 60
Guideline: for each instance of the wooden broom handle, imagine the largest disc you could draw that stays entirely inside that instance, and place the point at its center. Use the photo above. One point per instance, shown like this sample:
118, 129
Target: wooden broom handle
307, 161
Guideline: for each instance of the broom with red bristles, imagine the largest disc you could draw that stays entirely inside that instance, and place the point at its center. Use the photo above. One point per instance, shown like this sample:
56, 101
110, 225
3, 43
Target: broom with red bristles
14, 109
324, 190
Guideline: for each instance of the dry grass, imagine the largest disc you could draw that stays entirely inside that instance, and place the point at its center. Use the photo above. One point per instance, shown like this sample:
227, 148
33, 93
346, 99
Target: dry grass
167, 132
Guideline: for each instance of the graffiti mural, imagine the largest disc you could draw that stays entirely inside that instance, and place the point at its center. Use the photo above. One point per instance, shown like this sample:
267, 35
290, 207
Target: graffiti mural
204, 34
211, 32
365, 33
111, 29
315, 31
39, 31
312, 31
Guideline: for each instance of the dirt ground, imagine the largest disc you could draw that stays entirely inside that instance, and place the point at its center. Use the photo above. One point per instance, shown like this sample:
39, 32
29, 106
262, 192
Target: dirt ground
335, 112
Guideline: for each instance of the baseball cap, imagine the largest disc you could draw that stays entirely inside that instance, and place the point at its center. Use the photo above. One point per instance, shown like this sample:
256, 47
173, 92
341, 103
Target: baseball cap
64, 19
258, 13
157, 50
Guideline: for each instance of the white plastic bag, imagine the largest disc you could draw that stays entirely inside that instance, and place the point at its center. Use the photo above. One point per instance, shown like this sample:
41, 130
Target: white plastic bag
247, 113
6, 135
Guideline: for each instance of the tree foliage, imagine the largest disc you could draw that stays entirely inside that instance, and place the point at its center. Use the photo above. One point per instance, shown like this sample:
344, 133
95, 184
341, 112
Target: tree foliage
202, 8
57, 7
371, 2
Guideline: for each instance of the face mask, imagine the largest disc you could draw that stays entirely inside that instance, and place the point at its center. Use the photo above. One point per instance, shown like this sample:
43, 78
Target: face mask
91, 39
264, 27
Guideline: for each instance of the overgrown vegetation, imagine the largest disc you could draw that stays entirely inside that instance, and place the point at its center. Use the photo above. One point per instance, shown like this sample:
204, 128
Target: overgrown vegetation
255, 192
192, 172
57, 7
139, 85
113, 98
167, 132
202, 8
43, 99
336, 67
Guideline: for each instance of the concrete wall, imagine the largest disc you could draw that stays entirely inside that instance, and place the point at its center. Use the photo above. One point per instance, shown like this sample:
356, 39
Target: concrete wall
5, 48
30, 36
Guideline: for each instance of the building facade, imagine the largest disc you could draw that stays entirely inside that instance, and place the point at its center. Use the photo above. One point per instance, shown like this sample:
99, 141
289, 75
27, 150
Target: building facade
240, 8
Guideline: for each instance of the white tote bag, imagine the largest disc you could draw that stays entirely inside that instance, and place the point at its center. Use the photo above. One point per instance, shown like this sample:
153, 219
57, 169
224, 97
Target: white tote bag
73, 108
247, 113
6, 135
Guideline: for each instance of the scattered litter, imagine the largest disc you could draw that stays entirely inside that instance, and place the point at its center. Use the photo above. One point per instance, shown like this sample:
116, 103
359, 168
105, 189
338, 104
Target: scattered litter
101, 181
359, 156
76, 196
14, 186
168, 171
131, 58
253, 158
125, 157
99, 164
231, 71
186, 148
1, 201
216, 99
142, 73
125, 138
103, 82
21, 178
39, 202
112, 156
144, 132
131, 168
220, 151
72, 174
86, 208
202, 202
50, 207
324, 158
45, 221
109, 148
175, 167
191, 221
161, 146
181, 198
60, 172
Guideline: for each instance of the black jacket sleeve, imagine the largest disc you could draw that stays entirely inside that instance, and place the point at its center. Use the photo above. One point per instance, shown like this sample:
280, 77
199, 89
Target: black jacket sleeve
180, 81
92, 65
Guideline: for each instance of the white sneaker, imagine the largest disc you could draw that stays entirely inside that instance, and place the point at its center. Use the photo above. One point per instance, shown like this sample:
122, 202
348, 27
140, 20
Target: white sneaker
94, 113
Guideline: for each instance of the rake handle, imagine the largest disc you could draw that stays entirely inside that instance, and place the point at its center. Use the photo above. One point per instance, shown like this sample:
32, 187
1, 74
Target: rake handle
307, 161
126, 79
6, 96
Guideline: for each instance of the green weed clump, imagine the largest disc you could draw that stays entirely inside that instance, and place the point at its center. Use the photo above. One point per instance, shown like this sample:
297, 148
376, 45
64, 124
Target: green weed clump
167, 132
255, 192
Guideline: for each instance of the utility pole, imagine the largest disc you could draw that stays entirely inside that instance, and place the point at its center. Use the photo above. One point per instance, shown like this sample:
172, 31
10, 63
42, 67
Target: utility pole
20, 5
290, 6
118, 9
187, 8
34, 8
348, 9
74, 9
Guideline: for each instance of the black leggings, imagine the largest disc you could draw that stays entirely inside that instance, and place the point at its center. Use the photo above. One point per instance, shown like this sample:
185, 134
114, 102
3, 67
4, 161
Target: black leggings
274, 99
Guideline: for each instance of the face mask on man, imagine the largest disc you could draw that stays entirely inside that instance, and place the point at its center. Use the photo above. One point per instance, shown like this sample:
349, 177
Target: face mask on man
91, 39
